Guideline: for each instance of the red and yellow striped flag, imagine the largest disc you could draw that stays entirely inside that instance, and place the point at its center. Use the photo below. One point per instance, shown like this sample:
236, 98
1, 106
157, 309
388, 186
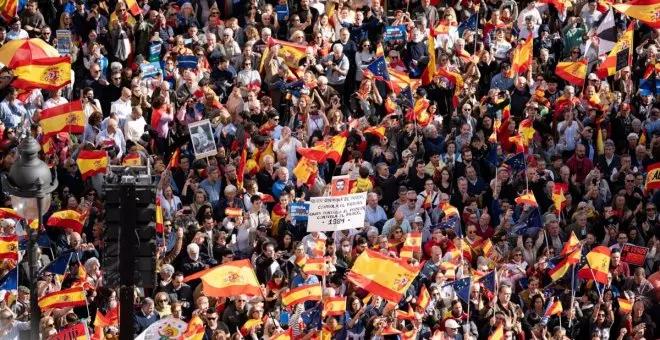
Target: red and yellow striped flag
67, 219
314, 266
240, 169
558, 197
195, 329
285, 335
625, 305
229, 279
45, 73
487, 247
10, 213
312, 292
306, 170
245, 329
413, 243
67, 117
290, 52
429, 72
522, 56
646, 11
574, 72
319, 247
527, 198
9, 247
423, 299
91, 163
652, 177
382, 275
378, 131
334, 306
598, 265
571, 248
403, 315
174, 160
132, 160
133, 7
450, 210
608, 66
160, 228
498, 334
233, 212
554, 307
64, 298
8, 9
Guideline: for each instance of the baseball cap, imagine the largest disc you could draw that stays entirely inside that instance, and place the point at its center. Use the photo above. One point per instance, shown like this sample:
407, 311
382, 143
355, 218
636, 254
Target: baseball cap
451, 323
418, 219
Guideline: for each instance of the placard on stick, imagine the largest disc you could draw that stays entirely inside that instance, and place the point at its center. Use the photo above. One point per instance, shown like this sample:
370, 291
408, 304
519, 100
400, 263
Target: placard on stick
201, 135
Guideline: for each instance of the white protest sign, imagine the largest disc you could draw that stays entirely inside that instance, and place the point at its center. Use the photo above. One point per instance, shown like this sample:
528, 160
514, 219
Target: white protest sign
330, 213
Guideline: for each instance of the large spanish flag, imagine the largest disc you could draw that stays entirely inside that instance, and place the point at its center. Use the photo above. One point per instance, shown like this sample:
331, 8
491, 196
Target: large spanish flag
334, 306
67, 117
64, 298
384, 276
10, 213
8, 9
527, 198
608, 66
332, 148
598, 265
46, 73
229, 279
573, 72
290, 52
9, 247
67, 219
647, 11
312, 292
420, 113
306, 170
652, 177
91, 163
522, 56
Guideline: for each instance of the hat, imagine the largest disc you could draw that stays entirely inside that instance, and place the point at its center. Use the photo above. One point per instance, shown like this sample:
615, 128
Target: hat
451, 323
418, 219
549, 218
262, 227
633, 135
593, 76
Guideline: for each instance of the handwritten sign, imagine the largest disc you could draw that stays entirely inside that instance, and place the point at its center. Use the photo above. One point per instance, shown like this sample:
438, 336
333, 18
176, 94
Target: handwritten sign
633, 254
63, 41
333, 213
395, 33
299, 211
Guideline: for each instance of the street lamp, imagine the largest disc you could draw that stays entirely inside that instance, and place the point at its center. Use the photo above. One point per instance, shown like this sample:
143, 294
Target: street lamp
30, 183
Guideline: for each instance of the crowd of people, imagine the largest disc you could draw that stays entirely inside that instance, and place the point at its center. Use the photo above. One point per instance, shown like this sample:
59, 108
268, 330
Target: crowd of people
477, 145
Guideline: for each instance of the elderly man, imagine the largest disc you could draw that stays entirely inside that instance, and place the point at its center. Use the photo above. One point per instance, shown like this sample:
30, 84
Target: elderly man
112, 136
212, 185
235, 315
374, 213
231, 200
145, 316
281, 182
398, 220
10, 328
336, 67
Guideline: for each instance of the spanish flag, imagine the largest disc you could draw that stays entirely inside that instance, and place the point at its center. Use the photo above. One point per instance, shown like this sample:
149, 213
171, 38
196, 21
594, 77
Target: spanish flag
554, 307
334, 306
378, 131
522, 56
132, 160
47, 145
558, 196
133, 7
195, 329
160, 228
409, 315
527, 198
413, 243
301, 294
109, 319
64, 298
240, 169
8, 9
450, 210
285, 335
306, 171
10, 213
608, 67
67, 219
424, 298
526, 130
229, 279
319, 247
67, 117
573, 72
646, 11
429, 72
46, 73
571, 248
174, 160
382, 275
409, 335
625, 305
259, 155
91, 163
652, 177
399, 80
456, 79
331, 148
420, 113
598, 265
301, 261
245, 329
314, 266
487, 247
9, 247
290, 52
498, 334
233, 212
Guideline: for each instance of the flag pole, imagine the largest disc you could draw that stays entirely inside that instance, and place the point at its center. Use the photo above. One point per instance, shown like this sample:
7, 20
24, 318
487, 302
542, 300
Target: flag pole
570, 318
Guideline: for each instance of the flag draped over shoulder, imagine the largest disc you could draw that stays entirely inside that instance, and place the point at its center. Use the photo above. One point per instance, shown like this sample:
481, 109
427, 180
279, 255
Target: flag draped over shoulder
45, 73
229, 279
382, 275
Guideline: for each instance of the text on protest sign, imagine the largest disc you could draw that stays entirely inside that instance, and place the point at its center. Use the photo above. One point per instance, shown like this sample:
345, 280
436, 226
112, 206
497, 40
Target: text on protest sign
336, 212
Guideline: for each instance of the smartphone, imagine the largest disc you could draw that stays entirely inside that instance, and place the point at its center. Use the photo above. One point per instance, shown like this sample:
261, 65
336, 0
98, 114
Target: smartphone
284, 319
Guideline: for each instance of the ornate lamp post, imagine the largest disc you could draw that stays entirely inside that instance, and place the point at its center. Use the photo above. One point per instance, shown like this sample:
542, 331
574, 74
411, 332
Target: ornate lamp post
30, 183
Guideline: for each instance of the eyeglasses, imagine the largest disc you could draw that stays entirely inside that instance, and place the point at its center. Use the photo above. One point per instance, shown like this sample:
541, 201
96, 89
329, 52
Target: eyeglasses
162, 300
